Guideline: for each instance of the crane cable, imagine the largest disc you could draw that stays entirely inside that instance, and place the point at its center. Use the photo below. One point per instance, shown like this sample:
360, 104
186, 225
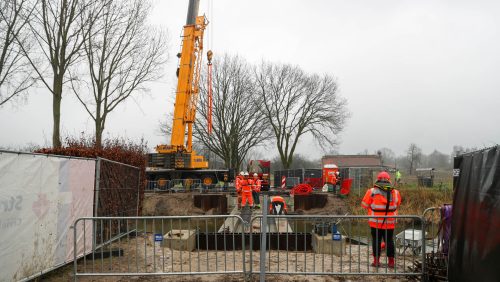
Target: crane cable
209, 70
209, 112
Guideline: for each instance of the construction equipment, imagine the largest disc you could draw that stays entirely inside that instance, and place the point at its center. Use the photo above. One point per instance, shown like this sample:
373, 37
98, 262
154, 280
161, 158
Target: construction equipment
311, 176
178, 160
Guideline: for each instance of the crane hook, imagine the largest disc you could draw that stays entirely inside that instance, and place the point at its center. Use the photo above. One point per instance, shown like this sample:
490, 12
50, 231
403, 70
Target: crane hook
209, 56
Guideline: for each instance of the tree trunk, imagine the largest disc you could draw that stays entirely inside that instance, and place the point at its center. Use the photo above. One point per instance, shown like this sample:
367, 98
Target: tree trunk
99, 123
98, 133
56, 110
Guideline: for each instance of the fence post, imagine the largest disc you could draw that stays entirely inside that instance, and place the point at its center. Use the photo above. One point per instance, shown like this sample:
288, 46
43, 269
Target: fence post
75, 265
423, 248
96, 202
138, 192
263, 240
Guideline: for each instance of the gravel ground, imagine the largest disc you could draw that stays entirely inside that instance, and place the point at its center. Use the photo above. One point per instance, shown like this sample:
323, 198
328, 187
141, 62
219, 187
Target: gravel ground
142, 256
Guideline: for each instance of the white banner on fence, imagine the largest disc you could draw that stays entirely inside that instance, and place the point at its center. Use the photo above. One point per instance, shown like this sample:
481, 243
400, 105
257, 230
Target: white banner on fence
40, 198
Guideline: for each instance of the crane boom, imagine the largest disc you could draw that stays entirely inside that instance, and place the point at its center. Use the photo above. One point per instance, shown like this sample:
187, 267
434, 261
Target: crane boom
180, 154
178, 161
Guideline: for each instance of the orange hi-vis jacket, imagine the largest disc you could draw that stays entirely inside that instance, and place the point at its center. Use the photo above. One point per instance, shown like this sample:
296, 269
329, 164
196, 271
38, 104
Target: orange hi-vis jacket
246, 185
237, 183
375, 201
257, 184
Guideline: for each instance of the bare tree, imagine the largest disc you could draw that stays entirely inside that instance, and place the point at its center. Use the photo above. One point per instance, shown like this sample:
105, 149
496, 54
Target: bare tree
57, 28
295, 103
413, 156
237, 124
122, 55
16, 74
438, 160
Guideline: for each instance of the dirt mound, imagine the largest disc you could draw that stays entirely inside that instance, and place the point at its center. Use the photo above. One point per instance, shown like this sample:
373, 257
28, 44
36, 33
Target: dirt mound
169, 205
334, 206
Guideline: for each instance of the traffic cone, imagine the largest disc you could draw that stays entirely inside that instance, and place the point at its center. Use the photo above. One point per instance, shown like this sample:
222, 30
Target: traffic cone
382, 246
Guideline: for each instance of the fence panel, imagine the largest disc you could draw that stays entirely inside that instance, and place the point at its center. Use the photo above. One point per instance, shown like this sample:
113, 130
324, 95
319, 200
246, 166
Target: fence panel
156, 246
291, 245
437, 243
117, 189
301, 245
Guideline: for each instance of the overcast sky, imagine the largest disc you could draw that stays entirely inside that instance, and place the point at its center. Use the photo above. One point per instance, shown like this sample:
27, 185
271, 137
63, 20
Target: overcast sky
426, 72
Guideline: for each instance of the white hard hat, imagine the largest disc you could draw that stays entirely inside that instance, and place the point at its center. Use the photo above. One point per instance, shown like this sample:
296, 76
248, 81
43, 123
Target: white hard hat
255, 174
242, 173
245, 173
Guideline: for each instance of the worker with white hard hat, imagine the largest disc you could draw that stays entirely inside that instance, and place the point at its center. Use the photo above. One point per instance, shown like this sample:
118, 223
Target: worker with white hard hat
246, 190
256, 185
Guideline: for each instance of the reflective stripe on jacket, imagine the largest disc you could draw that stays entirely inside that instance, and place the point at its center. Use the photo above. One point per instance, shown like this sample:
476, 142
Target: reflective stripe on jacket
375, 201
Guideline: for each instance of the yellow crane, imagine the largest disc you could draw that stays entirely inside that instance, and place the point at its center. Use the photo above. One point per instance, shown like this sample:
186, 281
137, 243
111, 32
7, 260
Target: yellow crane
178, 160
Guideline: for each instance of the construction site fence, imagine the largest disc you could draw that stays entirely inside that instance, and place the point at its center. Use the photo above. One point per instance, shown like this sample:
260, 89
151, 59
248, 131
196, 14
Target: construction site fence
288, 245
159, 246
117, 189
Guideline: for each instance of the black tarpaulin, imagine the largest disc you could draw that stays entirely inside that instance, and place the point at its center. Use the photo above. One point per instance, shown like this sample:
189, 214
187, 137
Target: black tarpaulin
475, 226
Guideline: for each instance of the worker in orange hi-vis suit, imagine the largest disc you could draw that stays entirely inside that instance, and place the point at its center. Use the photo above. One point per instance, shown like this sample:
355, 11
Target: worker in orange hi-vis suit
237, 185
246, 190
382, 200
278, 206
257, 184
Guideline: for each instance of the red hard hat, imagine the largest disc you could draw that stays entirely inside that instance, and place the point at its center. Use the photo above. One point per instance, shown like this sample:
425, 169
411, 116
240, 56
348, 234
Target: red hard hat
383, 175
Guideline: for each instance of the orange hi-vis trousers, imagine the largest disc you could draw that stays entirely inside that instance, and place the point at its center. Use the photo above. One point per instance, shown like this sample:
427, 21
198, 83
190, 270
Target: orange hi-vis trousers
247, 196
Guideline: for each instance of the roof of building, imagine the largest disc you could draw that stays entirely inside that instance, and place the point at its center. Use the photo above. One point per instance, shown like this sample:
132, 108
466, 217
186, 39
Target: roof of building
352, 160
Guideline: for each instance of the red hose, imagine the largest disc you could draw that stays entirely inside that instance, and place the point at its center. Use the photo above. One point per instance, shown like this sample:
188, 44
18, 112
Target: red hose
301, 189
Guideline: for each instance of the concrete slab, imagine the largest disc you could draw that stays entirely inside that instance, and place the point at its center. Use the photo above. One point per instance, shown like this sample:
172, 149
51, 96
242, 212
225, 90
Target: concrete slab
179, 239
325, 245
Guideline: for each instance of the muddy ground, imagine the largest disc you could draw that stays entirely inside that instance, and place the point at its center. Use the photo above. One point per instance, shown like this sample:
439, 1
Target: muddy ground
333, 206
174, 204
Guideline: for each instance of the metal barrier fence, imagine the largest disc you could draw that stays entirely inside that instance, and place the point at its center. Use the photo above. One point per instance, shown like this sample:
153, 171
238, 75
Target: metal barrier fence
154, 246
295, 245
436, 243
228, 245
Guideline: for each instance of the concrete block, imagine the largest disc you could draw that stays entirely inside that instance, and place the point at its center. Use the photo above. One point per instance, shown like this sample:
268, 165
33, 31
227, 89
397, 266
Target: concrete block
325, 245
180, 239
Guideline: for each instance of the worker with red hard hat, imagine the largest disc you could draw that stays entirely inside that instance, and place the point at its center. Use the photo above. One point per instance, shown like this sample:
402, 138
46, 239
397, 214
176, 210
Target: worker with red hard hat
382, 200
